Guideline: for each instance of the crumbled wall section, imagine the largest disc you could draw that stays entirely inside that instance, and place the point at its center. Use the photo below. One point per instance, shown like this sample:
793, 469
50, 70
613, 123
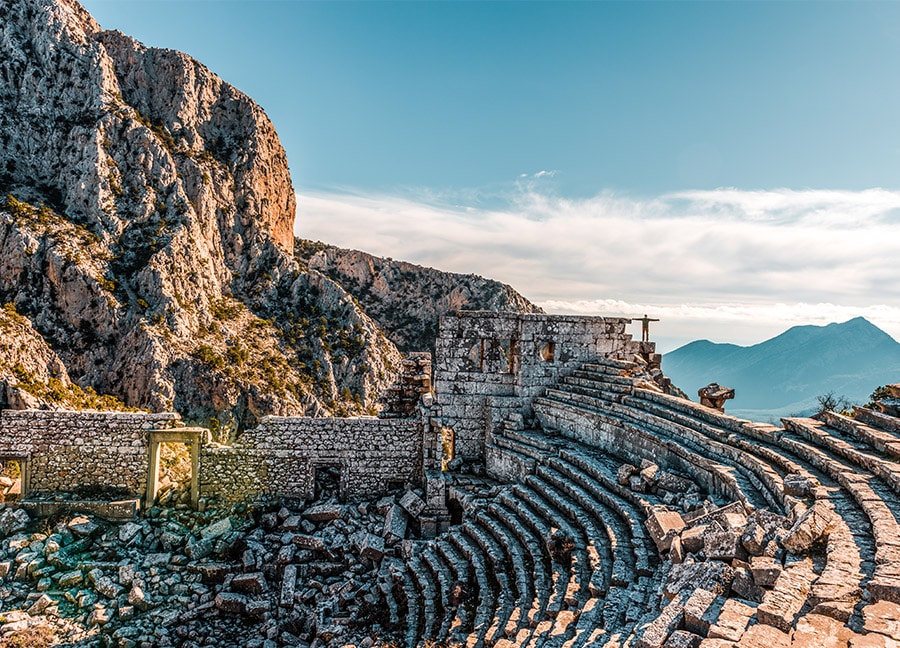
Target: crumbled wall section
280, 456
68, 449
490, 364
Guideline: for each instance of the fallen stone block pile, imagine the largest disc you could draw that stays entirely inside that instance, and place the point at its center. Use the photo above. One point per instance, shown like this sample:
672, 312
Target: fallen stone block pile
228, 577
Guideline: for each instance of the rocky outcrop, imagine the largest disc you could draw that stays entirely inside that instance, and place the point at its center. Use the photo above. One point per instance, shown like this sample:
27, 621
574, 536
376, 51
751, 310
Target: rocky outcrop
146, 232
407, 299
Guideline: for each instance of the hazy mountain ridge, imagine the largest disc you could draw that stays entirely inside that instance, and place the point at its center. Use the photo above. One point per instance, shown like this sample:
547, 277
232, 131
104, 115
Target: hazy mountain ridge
785, 374
406, 299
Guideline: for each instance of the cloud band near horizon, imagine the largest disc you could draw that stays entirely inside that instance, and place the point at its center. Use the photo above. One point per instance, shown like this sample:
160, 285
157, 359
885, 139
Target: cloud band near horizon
745, 261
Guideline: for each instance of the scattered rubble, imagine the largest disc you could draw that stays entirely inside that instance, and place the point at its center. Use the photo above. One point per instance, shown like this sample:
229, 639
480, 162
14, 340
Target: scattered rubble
268, 576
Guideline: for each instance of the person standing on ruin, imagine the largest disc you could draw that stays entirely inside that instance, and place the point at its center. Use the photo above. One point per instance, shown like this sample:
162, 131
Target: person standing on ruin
645, 327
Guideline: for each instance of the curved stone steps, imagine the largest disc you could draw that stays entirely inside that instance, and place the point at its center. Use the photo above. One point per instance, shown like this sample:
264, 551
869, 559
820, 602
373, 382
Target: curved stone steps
506, 599
460, 568
423, 578
487, 602
620, 522
737, 479
850, 554
728, 480
848, 448
536, 553
543, 496
412, 596
878, 502
386, 588
879, 421
767, 478
536, 520
441, 572
526, 600
880, 440
602, 541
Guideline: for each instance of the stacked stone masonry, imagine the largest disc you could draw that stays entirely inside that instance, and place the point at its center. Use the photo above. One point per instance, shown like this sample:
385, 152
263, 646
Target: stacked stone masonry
280, 457
594, 508
69, 449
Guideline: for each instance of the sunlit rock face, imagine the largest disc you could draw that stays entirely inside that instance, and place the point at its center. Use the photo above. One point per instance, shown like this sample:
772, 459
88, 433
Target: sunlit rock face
146, 232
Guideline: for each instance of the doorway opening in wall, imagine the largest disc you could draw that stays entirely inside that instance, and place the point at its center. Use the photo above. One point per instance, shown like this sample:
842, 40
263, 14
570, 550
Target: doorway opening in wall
448, 447
327, 480
13, 481
173, 485
174, 467
456, 511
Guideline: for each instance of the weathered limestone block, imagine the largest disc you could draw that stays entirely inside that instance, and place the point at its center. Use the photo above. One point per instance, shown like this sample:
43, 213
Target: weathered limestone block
812, 526
732, 621
324, 512
781, 605
12, 521
70, 579
722, 544
412, 503
655, 633
682, 639
216, 529
764, 636
288, 586
692, 538
394, 525
252, 583
701, 609
713, 576
663, 525
817, 631
371, 547
231, 603
42, 603
138, 597
765, 570
882, 617
105, 586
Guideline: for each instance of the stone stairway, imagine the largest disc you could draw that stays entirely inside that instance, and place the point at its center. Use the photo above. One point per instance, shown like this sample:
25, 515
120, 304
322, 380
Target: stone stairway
567, 555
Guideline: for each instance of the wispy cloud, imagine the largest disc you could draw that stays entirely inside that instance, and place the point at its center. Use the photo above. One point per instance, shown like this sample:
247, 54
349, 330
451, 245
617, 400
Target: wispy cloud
781, 256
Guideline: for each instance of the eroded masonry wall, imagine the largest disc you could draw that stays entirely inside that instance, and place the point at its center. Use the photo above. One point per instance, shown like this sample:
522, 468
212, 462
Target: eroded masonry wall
65, 450
488, 365
282, 455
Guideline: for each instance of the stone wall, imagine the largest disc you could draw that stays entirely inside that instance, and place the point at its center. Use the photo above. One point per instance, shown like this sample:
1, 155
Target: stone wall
281, 455
489, 365
65, 449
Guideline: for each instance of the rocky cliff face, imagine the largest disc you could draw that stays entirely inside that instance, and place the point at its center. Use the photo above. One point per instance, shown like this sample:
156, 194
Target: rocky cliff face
407, 299
146, 232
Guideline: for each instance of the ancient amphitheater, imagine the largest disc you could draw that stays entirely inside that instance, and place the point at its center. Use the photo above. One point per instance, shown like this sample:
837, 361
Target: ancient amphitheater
558, 496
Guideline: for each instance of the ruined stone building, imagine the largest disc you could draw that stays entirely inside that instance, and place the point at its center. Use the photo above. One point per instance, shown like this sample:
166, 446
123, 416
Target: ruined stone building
560, 494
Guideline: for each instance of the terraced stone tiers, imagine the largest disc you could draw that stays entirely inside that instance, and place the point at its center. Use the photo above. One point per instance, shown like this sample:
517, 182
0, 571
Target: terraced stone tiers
580, 550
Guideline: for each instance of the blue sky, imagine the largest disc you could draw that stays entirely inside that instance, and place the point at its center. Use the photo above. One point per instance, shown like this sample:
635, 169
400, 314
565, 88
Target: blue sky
733, 166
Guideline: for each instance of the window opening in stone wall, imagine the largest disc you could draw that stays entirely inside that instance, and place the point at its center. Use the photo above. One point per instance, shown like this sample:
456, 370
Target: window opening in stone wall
548, 351
12, 479
173, 483
327, 480
475, 356
509, 351
448, 447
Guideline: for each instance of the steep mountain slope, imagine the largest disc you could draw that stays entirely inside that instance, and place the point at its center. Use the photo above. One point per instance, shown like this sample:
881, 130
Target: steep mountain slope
407, 299
784, 375
146, 216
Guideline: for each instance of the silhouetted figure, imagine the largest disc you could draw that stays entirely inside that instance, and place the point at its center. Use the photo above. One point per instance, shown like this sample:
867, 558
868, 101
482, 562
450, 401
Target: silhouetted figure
645, 327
